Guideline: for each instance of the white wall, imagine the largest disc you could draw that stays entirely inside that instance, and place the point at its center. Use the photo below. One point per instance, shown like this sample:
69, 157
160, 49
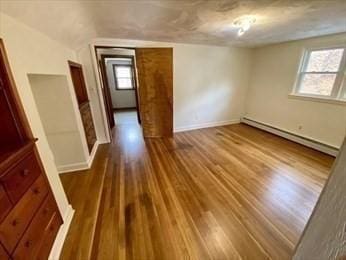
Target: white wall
54, 104
274, 70
324, 236
209, 82
120, 98
31, 52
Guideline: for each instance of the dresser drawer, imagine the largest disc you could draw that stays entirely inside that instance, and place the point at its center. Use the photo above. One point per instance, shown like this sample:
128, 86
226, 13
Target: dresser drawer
39, 237
5, 204
48, 237
14, 225
3, 254
19, 178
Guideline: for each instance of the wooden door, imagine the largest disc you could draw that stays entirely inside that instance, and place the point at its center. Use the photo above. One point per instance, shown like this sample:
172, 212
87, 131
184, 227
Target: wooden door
83, 103
155, 77
106, 93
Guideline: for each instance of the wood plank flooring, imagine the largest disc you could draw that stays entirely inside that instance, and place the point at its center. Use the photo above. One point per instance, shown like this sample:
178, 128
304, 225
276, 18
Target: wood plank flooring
231, 192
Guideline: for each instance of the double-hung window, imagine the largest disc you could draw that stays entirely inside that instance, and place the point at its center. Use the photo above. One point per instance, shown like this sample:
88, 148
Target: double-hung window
123, 77
322, 74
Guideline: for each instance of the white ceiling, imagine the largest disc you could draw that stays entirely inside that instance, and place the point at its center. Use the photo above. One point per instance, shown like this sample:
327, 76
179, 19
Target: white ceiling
187, 21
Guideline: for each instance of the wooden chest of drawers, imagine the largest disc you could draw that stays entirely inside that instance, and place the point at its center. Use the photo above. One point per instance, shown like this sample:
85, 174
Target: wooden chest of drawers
19, 177
3, 253
5, 204
39, 237
15, 223
29, 216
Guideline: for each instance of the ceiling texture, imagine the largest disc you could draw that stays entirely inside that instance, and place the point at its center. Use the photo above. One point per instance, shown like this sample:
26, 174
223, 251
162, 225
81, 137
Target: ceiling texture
186, 21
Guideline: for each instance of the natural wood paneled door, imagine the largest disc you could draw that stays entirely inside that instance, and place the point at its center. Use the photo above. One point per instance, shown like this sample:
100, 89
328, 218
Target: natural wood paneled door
155, 77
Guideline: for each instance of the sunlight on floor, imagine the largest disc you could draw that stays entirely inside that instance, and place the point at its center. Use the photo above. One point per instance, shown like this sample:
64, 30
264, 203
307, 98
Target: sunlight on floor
125, 117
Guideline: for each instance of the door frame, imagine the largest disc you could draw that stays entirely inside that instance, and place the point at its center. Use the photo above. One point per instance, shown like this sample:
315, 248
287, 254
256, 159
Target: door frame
135, 82
71, 65
95, 58
106, 93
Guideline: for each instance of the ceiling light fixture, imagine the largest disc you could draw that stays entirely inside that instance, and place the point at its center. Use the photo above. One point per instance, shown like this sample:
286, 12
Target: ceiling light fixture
244, 23
241, 31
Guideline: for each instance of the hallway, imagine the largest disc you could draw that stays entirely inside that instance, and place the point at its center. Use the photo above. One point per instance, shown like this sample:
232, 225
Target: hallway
218, 193
122, 117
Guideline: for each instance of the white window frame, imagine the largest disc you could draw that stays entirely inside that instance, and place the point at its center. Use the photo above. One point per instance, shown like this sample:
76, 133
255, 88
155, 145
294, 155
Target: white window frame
339, 88
116, 78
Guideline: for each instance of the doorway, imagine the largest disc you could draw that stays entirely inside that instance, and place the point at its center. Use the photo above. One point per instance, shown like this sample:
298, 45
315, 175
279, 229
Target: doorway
121, 83
117, 71
148, 73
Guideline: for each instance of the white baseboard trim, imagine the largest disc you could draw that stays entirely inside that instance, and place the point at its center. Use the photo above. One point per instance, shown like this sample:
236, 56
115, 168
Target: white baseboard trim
62, 233
79, 166
73, 167
103, 142
317, 145
92, 154
205, 125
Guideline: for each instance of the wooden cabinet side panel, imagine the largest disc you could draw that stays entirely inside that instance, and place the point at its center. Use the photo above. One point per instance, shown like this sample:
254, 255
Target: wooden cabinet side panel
155, 76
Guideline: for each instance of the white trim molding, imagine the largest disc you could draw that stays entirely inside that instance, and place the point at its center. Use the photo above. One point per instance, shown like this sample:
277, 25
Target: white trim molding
338, 88
72, 167
62, 233
79, 166
318, 99
92, 154
205, 125
99, 86
319, 146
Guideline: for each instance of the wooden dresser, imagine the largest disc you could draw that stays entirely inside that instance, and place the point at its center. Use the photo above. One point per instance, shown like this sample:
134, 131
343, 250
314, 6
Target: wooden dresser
29, 216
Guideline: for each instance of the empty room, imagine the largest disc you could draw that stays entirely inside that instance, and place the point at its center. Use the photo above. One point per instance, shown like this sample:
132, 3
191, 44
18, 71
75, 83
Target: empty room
173, 129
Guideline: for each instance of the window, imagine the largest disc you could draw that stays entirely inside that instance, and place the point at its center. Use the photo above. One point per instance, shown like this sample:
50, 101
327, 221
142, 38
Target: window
123, 77
322, 74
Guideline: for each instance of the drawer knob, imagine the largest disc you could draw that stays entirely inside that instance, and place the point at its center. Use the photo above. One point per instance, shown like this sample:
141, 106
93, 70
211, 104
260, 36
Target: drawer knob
14, 222
36, 191
25, 172
28, 243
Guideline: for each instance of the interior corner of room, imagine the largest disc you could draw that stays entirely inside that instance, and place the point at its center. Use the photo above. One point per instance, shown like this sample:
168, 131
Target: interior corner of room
142, 139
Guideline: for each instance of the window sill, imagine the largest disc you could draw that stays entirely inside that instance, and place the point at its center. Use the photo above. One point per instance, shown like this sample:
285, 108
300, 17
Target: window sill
318, 99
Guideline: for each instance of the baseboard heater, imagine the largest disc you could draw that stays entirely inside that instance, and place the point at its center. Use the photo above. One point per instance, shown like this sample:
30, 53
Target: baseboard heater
331, 150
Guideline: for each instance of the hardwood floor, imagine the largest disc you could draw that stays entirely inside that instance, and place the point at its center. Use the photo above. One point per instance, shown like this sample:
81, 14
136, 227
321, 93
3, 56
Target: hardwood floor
232, 192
